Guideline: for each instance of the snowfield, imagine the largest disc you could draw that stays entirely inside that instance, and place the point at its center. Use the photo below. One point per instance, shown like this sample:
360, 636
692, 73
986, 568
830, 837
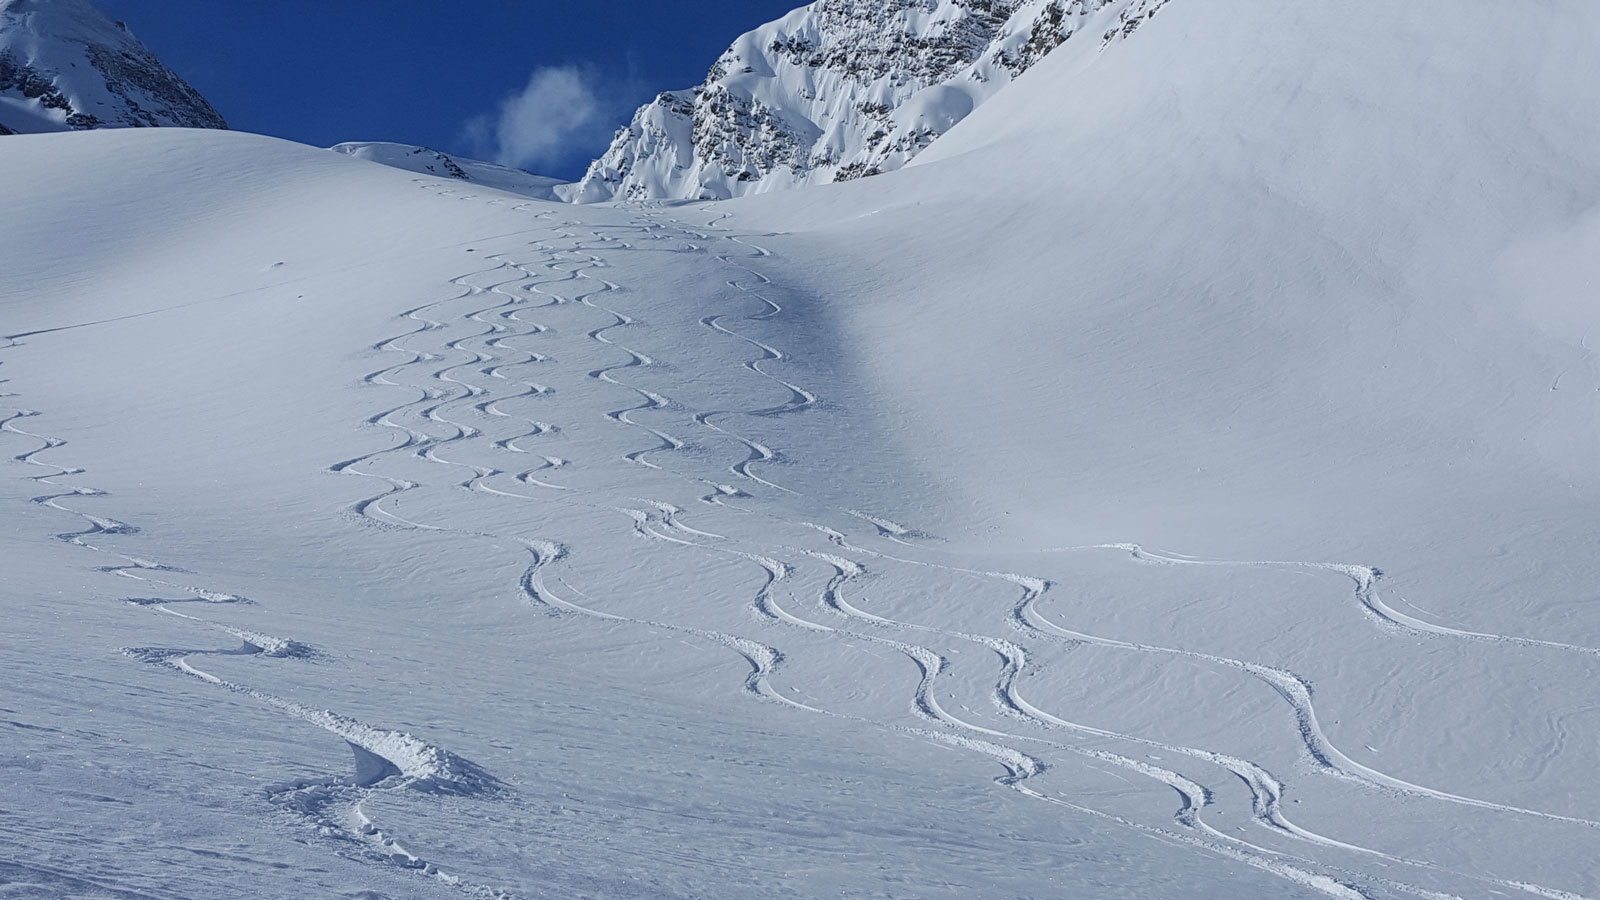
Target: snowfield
426, 161
1178, 482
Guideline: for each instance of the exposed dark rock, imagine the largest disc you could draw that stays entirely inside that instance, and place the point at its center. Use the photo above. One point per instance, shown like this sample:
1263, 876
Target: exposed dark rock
83, 71
840, 89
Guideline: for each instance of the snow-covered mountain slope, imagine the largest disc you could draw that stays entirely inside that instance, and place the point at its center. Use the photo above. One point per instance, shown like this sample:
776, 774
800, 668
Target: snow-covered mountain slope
1186, 490
65, 66
841, 89
1279, 288
1308, 286
427, 161
424, 540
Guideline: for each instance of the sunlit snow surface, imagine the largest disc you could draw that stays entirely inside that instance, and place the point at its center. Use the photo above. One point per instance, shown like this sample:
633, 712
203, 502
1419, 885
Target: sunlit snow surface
426, 161
999, 528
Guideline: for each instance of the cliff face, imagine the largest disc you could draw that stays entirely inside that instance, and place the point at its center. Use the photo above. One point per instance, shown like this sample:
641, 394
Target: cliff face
840, 89
65, 66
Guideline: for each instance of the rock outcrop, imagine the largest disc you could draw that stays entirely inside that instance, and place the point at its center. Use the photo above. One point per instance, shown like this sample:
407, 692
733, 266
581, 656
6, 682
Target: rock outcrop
840, 89
64, 66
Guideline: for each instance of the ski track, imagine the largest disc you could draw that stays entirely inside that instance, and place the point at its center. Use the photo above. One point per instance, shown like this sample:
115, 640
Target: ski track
1194, 797
1266, 790
433, 427
1366, 580
764, 660
384, 760
1294, 689
799, 400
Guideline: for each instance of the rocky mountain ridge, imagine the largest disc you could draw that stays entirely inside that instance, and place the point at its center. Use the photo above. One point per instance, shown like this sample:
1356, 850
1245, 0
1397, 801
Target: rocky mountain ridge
840, 89
65, 66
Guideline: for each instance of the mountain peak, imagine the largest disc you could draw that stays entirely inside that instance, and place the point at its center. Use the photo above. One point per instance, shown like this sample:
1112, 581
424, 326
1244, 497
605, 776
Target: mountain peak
838, 90
65, 66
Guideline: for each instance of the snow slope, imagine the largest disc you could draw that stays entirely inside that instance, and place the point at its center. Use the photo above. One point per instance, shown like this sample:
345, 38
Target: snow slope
1210, 516
65, 66
262, 510
427, 161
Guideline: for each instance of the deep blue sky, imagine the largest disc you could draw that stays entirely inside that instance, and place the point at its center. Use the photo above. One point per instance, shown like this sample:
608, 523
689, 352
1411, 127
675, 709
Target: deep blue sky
418, 71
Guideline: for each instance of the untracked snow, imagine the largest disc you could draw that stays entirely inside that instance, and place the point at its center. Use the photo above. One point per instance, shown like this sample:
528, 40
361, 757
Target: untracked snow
427, 161
1179, 481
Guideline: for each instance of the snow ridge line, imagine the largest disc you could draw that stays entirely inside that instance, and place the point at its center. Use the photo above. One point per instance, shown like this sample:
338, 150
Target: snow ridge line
384, 759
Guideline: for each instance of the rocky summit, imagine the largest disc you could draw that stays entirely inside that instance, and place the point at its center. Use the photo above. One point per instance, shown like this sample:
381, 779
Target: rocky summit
838, 90
64, 66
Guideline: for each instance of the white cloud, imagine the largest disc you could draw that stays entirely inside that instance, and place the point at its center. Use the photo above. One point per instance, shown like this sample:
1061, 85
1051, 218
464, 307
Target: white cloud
541, 123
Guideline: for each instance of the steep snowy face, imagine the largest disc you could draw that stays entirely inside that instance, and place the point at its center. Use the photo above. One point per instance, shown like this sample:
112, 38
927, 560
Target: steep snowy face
65, 66
840, 89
